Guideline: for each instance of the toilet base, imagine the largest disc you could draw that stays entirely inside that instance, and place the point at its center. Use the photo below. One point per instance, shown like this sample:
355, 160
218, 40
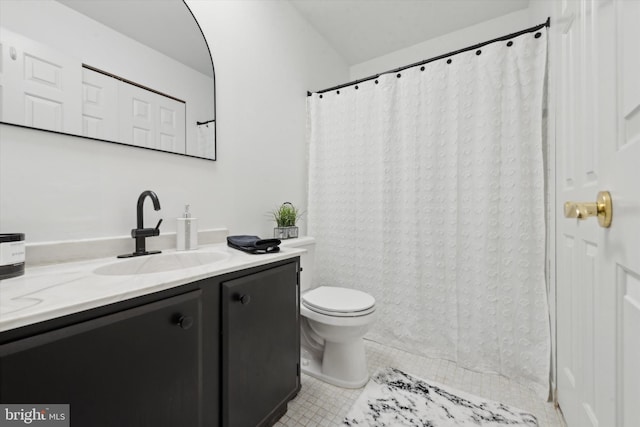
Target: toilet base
311, 365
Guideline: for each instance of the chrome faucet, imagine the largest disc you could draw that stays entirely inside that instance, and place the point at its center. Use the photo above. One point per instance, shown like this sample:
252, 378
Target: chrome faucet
140, 233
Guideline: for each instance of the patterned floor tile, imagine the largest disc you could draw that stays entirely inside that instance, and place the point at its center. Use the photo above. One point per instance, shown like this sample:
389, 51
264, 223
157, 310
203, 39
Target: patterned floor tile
321, 404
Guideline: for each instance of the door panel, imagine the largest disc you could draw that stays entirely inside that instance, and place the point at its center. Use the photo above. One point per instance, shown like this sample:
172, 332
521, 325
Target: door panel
598, 280
148, 119
261, 345
586, 357
46, 88
631, 346
624, 241
99, 105
575, 267
171, 125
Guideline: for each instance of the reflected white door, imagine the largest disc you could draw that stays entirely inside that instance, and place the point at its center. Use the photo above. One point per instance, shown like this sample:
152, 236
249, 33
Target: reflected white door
46, 85
99, 105
598, 269
148, 119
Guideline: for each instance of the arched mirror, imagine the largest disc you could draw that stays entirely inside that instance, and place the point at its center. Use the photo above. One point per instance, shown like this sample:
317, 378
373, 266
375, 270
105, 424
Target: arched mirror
134, 72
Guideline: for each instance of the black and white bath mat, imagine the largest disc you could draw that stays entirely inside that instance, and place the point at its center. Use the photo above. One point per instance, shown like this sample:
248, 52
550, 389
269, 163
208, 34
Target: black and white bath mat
394, 398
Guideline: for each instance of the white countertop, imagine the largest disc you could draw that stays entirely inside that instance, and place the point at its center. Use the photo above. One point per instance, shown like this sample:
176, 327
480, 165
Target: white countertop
51, 291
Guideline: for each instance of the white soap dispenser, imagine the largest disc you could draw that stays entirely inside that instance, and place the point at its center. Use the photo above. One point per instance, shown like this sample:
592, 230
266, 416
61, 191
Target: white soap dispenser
187, 231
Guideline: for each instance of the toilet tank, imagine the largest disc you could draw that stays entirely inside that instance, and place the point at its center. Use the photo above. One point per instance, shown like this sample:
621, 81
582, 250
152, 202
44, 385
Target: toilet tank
307, 259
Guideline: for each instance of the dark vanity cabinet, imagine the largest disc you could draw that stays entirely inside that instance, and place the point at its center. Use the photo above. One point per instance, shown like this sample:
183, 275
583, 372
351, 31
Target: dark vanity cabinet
137, 367
260, 347
219, 351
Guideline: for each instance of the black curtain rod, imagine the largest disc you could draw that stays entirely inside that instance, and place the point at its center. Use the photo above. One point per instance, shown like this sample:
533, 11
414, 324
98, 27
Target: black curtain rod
426, 61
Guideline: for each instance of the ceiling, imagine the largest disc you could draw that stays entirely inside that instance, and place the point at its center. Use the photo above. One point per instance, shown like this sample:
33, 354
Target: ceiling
358, 30
364, 29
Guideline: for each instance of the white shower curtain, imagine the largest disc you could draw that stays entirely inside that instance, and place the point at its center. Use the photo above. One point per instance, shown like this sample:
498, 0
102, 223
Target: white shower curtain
426, 190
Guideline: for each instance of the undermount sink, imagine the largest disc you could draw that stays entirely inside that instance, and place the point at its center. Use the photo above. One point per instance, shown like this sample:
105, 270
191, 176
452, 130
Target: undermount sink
158, 263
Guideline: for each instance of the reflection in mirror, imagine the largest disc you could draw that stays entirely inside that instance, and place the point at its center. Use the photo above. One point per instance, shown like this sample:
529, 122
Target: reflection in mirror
135, 72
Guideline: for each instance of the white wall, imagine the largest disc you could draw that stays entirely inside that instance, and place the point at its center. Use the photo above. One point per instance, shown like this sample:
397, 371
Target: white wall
469, 36
57, 187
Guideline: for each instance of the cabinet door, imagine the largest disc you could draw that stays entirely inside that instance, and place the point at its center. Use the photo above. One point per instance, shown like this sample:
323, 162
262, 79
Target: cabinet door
261, 346
138, 367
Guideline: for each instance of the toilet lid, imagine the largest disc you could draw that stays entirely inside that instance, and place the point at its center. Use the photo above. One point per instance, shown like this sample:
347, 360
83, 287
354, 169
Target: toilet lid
338, 300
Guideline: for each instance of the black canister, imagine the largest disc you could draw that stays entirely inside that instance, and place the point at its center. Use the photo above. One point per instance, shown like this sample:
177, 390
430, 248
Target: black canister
12, 255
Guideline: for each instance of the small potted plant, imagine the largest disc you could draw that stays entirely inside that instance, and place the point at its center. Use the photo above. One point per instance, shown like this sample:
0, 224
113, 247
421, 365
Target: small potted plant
286, 217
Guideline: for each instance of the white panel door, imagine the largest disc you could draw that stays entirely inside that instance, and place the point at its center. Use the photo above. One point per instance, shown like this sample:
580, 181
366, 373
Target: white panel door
598, 269
136, 115
46, 85
623, 244
99, 105
171, 125
148, 119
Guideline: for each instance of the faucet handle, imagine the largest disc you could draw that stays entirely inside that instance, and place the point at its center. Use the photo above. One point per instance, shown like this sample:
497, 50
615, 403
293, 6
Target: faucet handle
146, 232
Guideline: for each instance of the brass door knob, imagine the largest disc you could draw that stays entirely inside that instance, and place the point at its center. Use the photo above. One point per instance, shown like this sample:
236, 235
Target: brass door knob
602, 208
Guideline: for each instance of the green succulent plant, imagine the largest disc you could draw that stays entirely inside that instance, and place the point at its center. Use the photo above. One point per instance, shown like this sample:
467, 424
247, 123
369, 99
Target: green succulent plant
286, 215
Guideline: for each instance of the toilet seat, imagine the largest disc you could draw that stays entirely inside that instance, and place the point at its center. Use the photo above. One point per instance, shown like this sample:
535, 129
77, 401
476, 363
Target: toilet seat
339, 302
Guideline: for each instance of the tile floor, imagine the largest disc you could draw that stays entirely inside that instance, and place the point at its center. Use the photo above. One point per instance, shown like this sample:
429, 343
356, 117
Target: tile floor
321, 404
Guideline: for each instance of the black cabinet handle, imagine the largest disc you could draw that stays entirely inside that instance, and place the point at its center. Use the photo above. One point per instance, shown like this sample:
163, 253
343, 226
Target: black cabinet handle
185, 322
244, 299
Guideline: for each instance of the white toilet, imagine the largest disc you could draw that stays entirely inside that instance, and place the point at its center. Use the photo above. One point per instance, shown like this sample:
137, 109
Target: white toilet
333, 322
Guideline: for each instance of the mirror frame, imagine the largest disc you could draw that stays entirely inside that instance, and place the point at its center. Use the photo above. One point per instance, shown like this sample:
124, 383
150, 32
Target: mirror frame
214, 120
